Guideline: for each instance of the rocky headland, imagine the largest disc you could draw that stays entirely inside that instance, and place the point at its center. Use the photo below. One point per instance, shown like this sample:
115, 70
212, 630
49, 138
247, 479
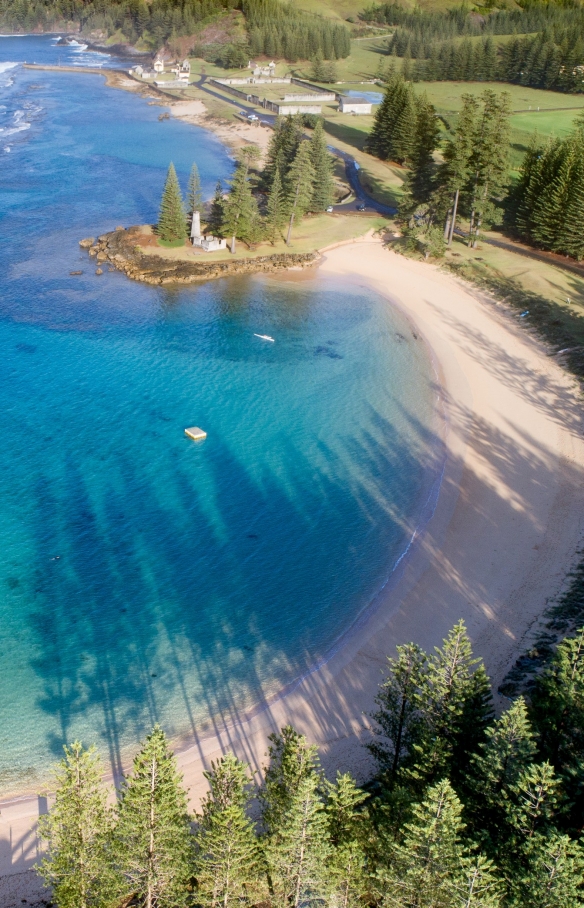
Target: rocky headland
130, 251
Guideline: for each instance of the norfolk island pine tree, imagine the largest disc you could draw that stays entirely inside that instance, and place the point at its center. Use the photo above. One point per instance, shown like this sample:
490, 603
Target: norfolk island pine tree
77, 864
323, 164
172, 219
227, 859
152, 841
299, 185
194, 192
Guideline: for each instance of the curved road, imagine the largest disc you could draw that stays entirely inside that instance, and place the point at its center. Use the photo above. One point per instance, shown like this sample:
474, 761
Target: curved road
371, 204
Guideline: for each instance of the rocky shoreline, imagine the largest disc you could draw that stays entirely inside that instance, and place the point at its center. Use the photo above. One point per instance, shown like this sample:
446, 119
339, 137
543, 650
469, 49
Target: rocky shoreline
121, 250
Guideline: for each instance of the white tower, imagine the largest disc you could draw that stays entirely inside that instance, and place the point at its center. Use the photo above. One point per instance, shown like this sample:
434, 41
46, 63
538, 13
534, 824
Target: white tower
196, 226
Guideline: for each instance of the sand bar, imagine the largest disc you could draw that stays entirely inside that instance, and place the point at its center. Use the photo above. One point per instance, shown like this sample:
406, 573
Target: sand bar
505, 531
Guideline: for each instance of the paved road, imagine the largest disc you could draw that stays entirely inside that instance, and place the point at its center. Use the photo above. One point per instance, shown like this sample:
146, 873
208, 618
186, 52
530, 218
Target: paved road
351, 165
371, 204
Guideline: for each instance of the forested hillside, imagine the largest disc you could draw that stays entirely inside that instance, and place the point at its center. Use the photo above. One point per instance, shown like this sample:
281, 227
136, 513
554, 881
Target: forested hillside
546, 49
275, 28
466, 810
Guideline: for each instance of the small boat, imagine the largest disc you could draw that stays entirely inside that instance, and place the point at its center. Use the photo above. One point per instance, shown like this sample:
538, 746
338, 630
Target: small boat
265, 337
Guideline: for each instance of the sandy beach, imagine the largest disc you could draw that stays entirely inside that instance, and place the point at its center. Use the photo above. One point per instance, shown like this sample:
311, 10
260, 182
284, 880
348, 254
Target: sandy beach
504, 533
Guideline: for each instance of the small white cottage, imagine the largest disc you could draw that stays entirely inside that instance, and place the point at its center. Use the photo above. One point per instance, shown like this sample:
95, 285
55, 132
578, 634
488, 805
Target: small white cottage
355, 105
159, 65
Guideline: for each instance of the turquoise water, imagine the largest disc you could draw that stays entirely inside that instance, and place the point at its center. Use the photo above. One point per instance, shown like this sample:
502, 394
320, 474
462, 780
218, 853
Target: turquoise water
145, 577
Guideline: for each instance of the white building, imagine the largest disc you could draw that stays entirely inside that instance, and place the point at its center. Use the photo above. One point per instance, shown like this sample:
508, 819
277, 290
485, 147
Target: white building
159, 65
355, 105
259, 70
206, 243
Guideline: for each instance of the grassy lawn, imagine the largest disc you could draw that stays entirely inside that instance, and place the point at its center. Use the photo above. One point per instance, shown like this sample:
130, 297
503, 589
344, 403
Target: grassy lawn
308, 235
535, 277
447, 96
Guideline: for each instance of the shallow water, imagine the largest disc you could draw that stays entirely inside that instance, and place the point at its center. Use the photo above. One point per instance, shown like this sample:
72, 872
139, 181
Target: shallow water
145, 577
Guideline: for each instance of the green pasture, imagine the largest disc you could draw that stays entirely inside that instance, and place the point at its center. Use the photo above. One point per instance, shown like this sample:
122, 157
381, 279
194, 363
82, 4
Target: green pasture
447, 96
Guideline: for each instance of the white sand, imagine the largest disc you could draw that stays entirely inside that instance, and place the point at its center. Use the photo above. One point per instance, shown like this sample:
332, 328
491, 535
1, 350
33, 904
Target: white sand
235, 133
504, 533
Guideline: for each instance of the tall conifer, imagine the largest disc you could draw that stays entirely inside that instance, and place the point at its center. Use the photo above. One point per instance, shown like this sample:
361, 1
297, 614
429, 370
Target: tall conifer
489, 162
194, 192
456, 708
347, 831
153, 841
399, 720
276, 209
323, 164
172, 219
217, 210
227, 864
425, 869
77, 865
297, 854
292, 759
299, 186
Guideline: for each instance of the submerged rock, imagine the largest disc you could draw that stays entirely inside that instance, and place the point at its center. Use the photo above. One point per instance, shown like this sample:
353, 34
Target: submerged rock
87, 242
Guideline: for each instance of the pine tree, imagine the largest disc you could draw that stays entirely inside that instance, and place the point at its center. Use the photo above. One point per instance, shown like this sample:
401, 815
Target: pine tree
496, 769
552, 876
489, 162
194, 192
404, 129
398, 715
153, 841
276, 209
318, 70
425, 868
347, 835
217, 210
238, 207
557, 709
535, 803
456, 708
77, 829
172, 219
282, 149
227, 864
297, 854
420, 176
292, 760
322, 164
477, 884
454, 173
299, 186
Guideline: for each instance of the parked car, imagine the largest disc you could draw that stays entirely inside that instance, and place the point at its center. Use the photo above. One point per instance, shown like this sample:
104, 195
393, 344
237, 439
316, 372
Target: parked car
361, 207
330, 208
252, 117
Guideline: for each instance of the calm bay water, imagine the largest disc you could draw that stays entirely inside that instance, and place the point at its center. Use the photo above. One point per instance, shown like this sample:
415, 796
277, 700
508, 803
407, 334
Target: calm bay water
144, 577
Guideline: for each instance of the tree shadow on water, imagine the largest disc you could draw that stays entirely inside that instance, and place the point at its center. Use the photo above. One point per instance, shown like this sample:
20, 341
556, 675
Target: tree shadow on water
185, 615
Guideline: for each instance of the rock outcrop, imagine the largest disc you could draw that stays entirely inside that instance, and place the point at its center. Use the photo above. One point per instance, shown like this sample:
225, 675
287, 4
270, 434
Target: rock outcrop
122, 250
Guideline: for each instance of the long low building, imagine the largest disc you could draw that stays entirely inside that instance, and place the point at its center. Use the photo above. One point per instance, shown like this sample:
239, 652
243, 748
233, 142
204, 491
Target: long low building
355, 105
283, 108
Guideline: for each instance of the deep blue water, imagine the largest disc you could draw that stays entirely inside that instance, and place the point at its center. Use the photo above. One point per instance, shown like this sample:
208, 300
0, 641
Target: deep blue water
145, 577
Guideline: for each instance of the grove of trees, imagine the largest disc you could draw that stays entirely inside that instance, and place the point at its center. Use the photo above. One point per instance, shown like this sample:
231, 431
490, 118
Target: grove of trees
297, 179
273, 27
546, 206
472, 177
466, 810
546, 50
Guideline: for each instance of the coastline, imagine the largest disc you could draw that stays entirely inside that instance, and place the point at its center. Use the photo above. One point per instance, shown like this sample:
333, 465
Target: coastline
502, 536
